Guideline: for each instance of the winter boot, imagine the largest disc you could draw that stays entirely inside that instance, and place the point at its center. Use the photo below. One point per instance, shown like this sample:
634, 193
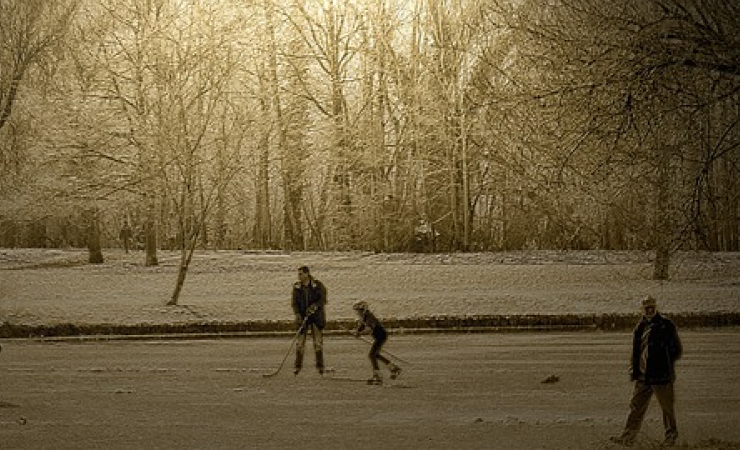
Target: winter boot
320, 361
298, 361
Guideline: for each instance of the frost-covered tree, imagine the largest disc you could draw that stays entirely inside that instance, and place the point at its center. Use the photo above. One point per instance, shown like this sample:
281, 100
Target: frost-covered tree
641, 97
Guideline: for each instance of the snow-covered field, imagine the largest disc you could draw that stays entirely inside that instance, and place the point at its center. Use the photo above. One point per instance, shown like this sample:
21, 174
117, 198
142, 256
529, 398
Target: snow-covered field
57, 286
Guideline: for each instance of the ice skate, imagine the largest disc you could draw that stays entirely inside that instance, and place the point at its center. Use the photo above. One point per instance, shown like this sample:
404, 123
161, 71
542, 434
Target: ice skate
376, 379
622, 440
670, 441
395, 372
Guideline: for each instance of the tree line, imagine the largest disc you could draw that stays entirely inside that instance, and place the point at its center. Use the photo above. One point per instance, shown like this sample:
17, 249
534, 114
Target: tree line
380, 125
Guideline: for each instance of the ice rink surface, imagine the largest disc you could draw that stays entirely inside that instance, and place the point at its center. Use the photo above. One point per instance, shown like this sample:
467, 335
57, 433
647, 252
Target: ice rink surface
457, 391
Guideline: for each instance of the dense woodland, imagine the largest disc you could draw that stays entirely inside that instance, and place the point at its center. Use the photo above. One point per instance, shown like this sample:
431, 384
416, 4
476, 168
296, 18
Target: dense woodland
379, 125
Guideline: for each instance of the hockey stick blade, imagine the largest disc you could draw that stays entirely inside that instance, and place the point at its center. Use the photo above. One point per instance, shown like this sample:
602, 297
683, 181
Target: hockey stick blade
292, 343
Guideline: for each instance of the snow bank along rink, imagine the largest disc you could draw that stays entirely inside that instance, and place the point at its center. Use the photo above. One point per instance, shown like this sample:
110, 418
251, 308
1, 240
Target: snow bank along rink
55, 293
464, 391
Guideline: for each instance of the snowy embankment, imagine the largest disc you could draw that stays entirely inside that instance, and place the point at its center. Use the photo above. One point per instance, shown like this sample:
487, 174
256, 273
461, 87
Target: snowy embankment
55, 293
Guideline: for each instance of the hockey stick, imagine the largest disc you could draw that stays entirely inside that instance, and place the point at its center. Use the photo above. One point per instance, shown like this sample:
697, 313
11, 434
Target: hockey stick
292, 343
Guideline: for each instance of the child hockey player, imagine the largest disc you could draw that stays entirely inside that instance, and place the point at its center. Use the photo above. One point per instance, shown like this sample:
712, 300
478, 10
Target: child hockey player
369, 321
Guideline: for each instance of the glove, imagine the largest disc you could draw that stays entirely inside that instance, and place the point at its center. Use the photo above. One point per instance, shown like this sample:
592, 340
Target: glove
312, 309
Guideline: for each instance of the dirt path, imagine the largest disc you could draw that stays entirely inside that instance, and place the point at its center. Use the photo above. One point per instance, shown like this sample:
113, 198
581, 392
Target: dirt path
462, 391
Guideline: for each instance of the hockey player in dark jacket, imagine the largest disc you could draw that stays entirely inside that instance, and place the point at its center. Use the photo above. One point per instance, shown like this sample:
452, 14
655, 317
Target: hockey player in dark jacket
309, 301
368, 321
655, 349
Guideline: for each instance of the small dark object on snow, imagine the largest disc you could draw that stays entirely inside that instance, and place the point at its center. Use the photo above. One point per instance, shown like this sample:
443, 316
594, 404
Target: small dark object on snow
551, 379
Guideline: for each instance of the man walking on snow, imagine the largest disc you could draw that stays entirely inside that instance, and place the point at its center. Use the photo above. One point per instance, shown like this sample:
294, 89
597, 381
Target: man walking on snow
309, 301
655, 350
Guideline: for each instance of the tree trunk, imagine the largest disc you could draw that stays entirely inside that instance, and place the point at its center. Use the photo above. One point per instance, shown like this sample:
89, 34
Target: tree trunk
662, 232
182, 271
662, 263
187, 250
290, 161
150, 239
262, 220
261, 230
95, 252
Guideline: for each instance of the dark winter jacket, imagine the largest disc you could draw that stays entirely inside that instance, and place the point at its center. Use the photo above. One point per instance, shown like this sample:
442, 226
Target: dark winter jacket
305, 296
664, 349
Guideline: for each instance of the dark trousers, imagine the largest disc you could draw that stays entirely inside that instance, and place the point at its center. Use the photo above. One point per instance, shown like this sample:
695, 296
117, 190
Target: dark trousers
318, 346
375, 355
639, 405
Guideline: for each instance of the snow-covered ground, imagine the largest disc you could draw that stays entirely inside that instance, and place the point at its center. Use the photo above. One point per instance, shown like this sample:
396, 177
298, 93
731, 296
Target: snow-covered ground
57, 286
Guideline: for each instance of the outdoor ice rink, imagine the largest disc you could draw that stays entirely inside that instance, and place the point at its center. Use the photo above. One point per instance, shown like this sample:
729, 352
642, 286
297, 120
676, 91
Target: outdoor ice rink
458, 391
